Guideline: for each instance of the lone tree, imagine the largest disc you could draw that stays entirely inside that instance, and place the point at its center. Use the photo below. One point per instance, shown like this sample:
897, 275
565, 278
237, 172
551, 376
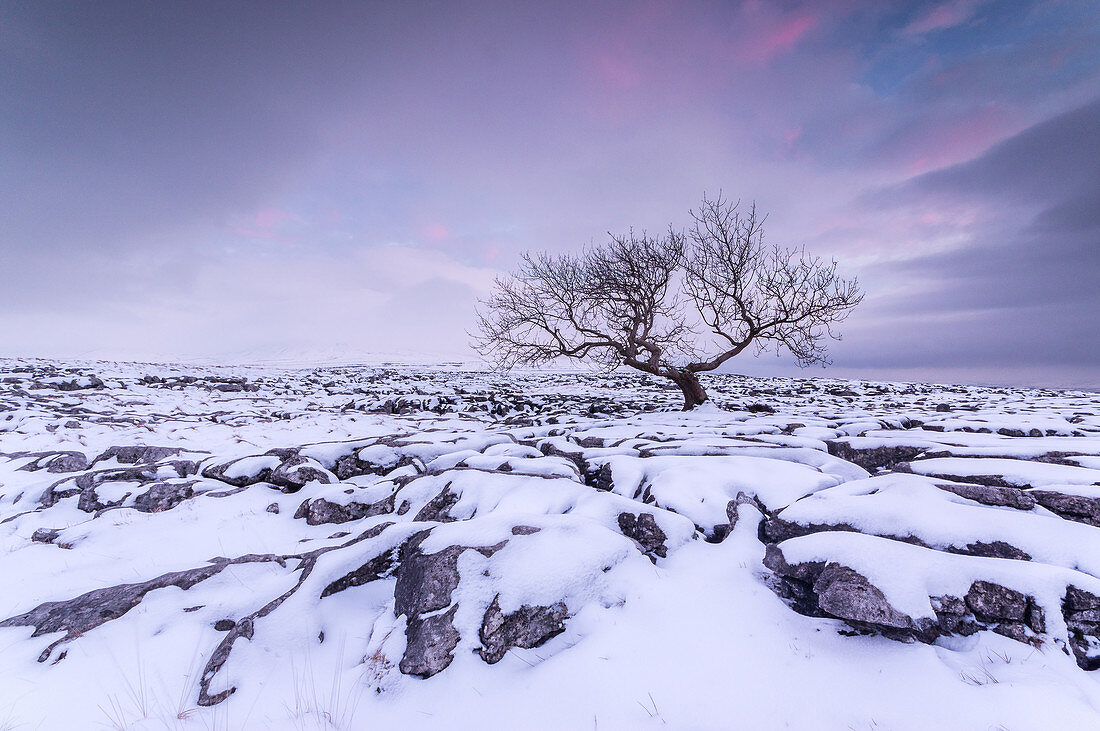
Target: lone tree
673, 306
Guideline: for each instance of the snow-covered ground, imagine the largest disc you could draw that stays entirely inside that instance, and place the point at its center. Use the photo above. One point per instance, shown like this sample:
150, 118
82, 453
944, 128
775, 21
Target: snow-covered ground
190, 547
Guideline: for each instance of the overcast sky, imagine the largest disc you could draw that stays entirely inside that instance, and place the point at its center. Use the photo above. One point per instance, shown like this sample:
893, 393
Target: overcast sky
245, 181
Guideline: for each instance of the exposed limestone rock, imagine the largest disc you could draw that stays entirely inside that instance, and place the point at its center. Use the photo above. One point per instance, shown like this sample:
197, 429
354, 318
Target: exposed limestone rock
436, 508
1081, 611
425, 582
1010, 497
296, 471
993, 602
45, 535
76, 616
378, 567
217, 472
351, 465
575, 457
430, 644
54, 462
643, 529
163, 496
1071, 507
601, 479
846, 594
873, 458
830, 589
527, 627
992, 549
320, 511
137, 454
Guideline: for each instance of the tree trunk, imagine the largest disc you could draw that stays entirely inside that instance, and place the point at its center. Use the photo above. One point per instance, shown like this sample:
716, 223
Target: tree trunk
694, 393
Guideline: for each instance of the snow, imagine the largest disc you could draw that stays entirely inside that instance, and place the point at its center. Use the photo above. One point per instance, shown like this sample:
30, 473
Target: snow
1014, 472
700, 489
538, 469
912, 506
250, 466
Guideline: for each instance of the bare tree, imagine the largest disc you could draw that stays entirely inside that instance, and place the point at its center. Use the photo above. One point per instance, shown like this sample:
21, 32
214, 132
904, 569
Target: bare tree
662, 304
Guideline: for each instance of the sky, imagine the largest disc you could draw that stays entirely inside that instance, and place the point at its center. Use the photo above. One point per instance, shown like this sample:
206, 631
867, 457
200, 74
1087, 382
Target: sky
312, 181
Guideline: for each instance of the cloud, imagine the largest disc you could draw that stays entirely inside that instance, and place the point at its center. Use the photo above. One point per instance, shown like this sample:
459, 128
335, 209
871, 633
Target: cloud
945, 15
246, 307
1020, 284
1054, 159
783, 36
259, 178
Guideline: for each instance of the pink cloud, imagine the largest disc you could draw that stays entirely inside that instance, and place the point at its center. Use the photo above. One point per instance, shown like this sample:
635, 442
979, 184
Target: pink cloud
956, 140
947, 15
271, 217
265, 224
616, 69
781, 38
642, 59
435, 232
790, 149
918, 166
